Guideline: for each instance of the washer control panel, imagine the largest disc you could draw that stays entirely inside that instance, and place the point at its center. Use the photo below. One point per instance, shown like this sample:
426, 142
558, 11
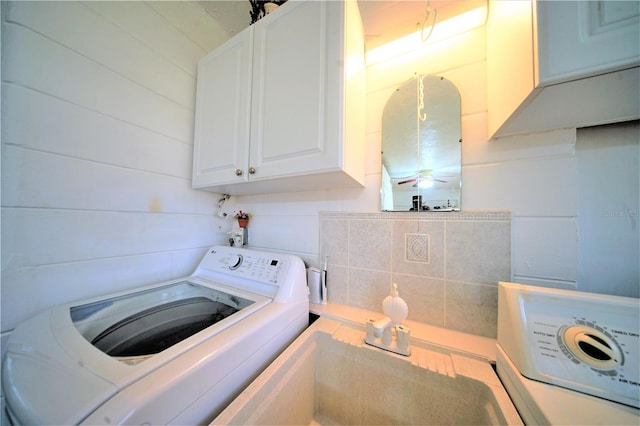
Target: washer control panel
279, 276
253, 266
581, 341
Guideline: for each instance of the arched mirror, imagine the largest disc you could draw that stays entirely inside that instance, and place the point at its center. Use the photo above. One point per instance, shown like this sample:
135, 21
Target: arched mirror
421, 147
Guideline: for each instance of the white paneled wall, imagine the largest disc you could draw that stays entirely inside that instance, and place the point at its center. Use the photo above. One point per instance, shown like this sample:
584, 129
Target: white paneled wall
609, 201
97, 128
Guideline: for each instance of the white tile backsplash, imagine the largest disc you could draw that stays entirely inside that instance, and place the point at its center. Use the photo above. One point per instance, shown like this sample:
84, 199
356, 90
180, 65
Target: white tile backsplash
370, 244
478, 252
425, 297
469, 252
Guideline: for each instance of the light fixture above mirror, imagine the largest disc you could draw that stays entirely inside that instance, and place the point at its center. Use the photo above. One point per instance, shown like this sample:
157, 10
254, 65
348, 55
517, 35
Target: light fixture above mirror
437, 20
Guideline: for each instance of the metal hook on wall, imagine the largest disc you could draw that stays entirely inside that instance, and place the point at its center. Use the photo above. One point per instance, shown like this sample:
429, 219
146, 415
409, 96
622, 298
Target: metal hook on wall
222, 200
220, 213
427, 15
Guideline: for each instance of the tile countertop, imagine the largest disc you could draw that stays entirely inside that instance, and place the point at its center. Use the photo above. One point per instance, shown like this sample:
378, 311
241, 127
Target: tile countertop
479, 346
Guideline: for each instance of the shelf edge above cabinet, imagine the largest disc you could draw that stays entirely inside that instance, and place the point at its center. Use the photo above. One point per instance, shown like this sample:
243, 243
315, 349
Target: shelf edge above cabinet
598, 100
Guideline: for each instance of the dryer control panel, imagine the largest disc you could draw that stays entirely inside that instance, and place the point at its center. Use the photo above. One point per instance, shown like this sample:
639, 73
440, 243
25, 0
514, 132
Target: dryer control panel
582, 341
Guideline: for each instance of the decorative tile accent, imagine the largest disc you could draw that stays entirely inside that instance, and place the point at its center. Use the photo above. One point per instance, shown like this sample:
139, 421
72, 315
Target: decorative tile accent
416, 248
436, 231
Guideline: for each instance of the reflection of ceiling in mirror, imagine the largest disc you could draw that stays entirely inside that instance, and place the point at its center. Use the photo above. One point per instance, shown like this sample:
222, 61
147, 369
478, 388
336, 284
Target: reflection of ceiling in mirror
436, 154
440, 132
399, 130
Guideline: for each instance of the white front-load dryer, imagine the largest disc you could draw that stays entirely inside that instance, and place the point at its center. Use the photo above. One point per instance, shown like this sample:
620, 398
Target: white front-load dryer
175, 352
568, 357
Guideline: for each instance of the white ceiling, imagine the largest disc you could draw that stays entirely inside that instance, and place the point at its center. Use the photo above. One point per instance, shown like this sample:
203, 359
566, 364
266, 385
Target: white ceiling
383, 20
233, 15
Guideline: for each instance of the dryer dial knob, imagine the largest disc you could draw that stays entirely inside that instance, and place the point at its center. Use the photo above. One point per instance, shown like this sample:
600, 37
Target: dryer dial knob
594, 347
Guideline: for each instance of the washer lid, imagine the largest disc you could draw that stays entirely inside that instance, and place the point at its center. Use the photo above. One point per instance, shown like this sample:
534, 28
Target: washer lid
581, 341
52, 374
34, 366
136, 326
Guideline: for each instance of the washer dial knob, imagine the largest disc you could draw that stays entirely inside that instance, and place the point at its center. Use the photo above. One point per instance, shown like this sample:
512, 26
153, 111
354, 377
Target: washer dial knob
234, 261
595, 348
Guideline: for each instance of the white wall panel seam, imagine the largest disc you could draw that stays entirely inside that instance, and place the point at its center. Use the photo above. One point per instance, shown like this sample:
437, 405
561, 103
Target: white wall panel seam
67, 74
119, 257
98, 8
8, 138
187, 106
516, 161
117, 211
105, 45
93, 161
96, 111
154, 5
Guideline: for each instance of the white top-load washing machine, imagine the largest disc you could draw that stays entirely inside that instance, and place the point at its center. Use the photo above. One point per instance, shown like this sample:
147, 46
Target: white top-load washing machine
175, 352
568, 357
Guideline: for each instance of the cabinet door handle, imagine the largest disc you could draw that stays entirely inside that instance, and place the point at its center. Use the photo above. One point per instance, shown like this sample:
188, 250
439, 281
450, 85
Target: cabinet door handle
252, 170
238, 172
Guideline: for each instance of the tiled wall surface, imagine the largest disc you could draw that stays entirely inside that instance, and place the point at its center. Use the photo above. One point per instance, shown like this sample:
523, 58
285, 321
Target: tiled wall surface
447, 265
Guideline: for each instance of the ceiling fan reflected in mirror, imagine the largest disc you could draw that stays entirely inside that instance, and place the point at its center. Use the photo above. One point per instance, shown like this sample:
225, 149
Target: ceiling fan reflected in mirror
421, 179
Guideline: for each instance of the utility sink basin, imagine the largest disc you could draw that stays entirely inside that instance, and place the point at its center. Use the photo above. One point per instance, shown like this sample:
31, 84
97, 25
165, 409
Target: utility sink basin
328, 376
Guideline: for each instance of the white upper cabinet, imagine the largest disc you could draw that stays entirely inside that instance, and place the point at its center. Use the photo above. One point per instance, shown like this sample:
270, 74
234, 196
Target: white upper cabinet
281, 106
221, 135
561, 64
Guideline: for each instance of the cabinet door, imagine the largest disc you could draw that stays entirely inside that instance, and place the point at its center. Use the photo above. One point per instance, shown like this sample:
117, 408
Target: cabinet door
297, 92
222, 120
579, 39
